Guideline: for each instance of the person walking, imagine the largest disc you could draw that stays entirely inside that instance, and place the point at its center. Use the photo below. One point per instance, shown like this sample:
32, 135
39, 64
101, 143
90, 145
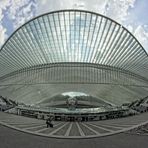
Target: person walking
49, 122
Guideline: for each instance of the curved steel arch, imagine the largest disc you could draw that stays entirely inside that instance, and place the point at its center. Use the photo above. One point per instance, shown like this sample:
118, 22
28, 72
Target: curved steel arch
59, 36
65, 10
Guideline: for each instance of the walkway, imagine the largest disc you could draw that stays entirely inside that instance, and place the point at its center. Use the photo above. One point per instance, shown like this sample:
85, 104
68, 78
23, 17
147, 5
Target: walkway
72, 129
10, 138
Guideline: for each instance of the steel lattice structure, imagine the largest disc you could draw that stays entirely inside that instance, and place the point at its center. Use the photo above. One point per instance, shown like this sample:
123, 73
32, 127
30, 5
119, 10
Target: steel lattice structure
73, 47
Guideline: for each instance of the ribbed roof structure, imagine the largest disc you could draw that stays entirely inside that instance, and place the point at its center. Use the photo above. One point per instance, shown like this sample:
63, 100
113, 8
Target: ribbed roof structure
73, 46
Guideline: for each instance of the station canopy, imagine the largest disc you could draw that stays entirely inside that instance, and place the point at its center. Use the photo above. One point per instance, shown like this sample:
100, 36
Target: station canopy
73, 50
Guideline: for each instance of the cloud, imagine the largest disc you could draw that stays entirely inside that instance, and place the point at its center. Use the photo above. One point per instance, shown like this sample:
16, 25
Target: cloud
116, 9
18, 11
119, 9
51, 5
73, 94
141, 34
3, 6
2, 35
21, 11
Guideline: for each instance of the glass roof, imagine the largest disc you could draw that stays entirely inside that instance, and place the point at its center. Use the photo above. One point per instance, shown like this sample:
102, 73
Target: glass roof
73, 36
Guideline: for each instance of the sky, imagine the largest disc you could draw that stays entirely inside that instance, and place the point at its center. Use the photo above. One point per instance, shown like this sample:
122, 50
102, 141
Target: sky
73, 94
130, 13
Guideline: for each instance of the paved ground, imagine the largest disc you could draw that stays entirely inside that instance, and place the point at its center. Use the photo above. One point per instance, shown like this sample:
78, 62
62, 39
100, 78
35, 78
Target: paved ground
72, 129
10, 138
